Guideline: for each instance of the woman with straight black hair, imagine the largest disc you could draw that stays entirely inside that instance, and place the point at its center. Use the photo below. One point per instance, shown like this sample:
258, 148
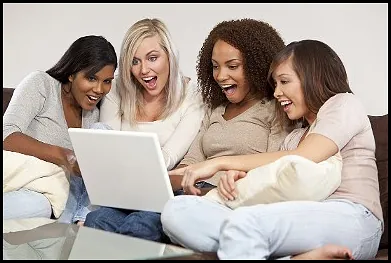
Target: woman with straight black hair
44, 105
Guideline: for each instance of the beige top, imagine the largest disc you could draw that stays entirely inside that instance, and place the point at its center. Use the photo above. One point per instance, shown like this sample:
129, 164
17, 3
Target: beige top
254, 131
343, 119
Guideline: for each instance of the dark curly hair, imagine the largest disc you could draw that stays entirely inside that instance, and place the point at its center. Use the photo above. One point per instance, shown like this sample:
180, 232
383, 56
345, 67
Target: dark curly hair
258, 43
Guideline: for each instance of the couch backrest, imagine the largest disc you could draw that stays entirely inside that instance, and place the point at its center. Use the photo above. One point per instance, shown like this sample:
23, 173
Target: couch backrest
380, 131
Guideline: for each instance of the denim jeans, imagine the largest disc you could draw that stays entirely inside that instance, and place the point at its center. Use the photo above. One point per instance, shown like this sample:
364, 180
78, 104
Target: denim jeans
78, 204
141, 224
25, 203
270, 231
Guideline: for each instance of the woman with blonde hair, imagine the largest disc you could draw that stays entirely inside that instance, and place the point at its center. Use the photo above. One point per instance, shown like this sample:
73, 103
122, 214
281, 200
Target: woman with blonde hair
149, 94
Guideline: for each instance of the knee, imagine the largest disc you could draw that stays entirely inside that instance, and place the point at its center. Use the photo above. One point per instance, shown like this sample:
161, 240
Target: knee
95, 219
91, 219
142, 224
170, 217
177, 213
47, 210
241, 220
42, 209
167, 217
147, 218
25, 204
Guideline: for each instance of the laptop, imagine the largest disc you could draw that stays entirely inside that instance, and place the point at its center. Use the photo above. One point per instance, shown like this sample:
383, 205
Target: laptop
122, 169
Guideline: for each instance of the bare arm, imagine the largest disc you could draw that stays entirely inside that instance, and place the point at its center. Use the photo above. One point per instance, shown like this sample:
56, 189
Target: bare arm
176, 180
28, 101
21, 143
314, 147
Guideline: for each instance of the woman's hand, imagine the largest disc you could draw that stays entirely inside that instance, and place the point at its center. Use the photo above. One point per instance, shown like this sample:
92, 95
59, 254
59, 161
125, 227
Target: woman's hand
194, 173
226, 185
69, 161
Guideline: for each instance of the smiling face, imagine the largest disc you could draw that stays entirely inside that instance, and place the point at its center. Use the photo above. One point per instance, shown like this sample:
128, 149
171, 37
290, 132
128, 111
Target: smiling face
89, 90
228, 72
289, 93
151, 67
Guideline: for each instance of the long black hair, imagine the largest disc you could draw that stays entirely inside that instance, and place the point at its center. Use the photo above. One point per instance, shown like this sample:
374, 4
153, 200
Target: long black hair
90, 53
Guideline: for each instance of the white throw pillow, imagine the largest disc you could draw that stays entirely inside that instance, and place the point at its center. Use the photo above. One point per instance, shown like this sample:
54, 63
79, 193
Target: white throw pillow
29, 172
290, 178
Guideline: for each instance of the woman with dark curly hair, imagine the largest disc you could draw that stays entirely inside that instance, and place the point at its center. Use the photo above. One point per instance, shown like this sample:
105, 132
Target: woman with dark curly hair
232, 70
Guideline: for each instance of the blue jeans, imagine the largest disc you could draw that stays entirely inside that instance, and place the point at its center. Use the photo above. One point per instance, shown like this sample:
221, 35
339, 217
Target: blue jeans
141, 224
269, 231
78, 203
25, 203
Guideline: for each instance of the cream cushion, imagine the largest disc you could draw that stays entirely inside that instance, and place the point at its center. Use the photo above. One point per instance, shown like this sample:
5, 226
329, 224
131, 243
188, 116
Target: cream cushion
29, 172
290, 178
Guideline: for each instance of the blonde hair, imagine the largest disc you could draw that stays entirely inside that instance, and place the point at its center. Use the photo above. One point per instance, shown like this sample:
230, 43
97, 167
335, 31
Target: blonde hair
129, 88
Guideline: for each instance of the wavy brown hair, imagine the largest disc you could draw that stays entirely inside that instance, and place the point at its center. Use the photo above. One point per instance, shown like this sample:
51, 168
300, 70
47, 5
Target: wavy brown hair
257, 41
319, 69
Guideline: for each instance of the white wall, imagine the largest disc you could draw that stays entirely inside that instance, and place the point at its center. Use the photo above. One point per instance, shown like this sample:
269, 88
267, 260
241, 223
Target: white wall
36, 35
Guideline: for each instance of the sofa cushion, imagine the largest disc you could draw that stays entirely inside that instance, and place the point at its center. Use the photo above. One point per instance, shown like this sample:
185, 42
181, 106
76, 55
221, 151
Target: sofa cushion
380, 131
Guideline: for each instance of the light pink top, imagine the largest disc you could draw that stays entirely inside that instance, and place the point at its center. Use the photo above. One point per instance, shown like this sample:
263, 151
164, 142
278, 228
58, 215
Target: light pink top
343, 119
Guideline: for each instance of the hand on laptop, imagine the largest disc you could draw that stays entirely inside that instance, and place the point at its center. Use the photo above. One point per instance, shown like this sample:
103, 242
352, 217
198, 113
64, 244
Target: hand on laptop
194, 173
70, 163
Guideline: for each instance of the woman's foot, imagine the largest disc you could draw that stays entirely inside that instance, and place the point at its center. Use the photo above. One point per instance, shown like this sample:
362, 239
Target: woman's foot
326, 252
80, 223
